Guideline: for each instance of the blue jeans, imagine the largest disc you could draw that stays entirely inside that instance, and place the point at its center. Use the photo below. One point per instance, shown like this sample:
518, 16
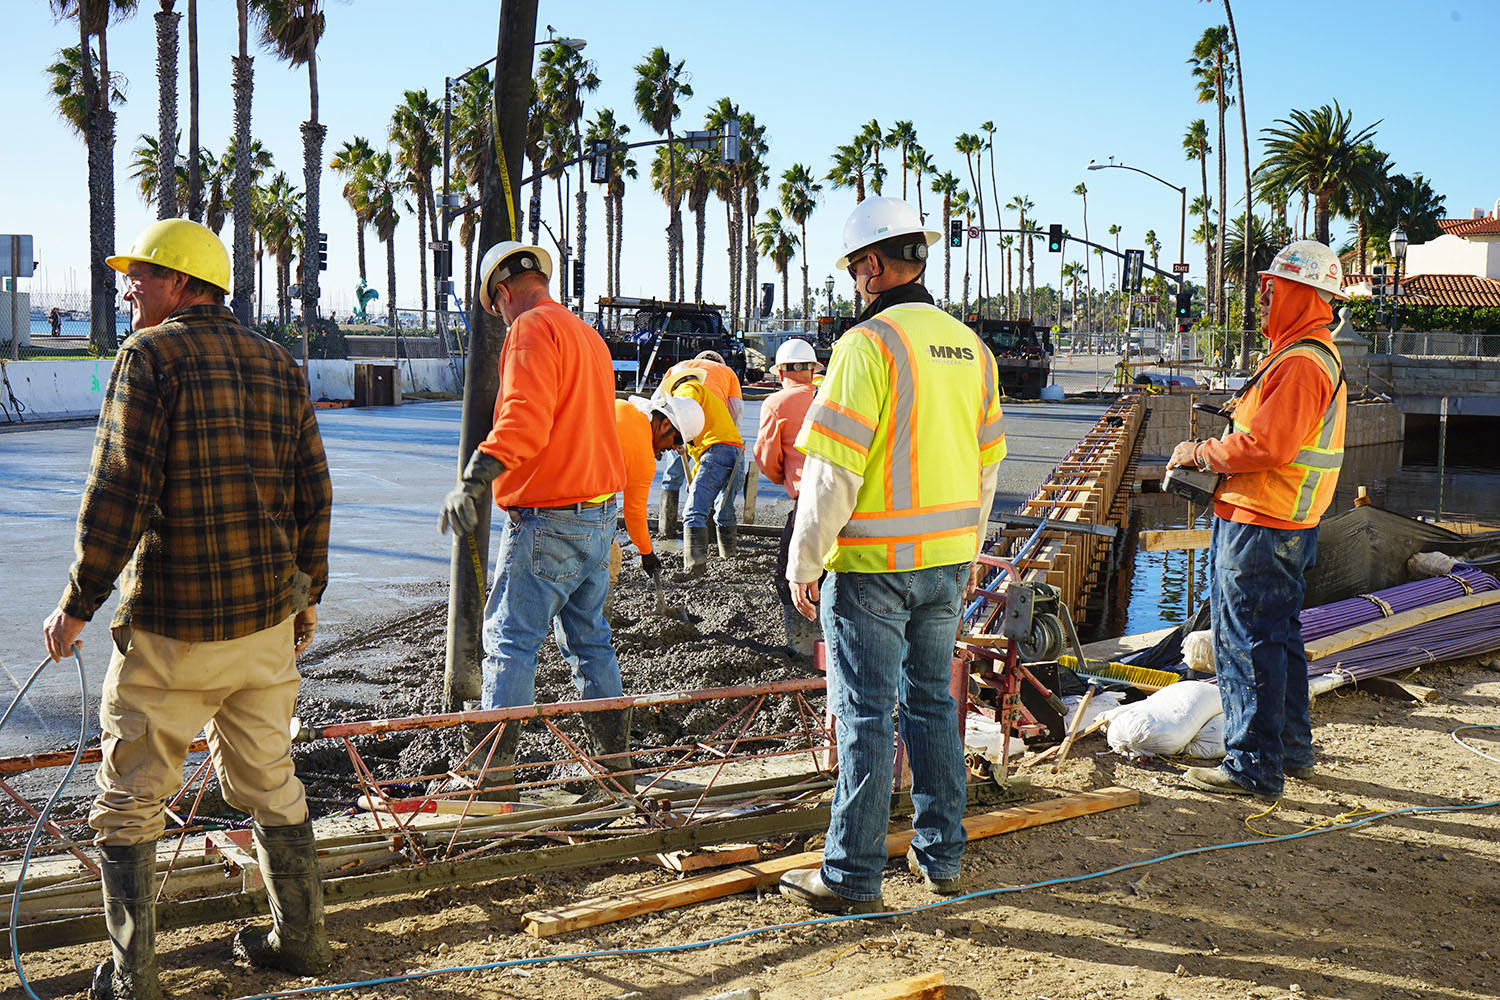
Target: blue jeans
720, 476
890, 644
552, 571
1256, 589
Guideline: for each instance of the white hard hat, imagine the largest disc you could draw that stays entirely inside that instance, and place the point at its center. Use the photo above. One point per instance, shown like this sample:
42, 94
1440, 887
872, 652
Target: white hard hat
1309, 262
509, 258
794, 350
713, 356
683, 413
877, 219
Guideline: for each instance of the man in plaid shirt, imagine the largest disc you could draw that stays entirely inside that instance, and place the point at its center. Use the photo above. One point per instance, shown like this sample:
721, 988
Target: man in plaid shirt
208, 488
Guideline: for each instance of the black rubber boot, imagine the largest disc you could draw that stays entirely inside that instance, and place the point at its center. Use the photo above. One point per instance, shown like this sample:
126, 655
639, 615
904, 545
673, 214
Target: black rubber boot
295, 941
129, 885
668, 523
609, 733
695, 551
729, 541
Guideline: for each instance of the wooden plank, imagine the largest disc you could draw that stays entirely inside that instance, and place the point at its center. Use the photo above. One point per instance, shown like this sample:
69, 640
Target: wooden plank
1380, 627
608, 909
1390, 687
928, 986
711, 856
1173, 540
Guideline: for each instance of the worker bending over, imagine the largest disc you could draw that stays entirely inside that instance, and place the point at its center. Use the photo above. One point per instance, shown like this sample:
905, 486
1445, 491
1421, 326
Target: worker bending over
903, 443
717, 473
781, 417
647, 428
552, 463
1280, 464
208, 479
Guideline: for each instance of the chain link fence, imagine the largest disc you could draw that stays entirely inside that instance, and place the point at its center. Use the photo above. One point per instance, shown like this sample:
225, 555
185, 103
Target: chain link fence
1443, 344
50, 326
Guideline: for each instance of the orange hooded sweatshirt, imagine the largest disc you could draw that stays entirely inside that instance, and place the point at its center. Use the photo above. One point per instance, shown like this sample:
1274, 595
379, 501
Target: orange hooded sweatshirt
634, 428
1294, 396
554, 427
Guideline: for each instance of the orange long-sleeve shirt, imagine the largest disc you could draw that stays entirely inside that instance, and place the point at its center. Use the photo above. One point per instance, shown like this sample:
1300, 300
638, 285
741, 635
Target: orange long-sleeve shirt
781, 417
634, 428
554, 428
1294, 396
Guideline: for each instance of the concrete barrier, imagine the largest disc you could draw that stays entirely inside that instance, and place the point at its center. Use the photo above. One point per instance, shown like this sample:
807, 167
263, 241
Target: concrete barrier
61, 390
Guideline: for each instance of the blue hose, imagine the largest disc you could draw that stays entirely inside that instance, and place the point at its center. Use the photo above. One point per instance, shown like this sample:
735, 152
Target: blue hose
41, 821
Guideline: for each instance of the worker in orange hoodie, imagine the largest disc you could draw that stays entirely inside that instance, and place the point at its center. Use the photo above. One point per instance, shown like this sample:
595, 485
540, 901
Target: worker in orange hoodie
1280, 463
716, 456
647, 428
552, 464
781, 418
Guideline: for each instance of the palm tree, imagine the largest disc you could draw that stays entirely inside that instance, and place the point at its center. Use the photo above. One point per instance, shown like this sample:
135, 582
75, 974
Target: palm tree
799, 196
988, 128
1358, 201
727, 188
1317, 151
1411, 203
1115, 230
963, 207
1195, 145
350, 157
1022, 205
280, 211
538, 132
1247, 288
243, 184
972, 146
66, 87
1210, 62
903, 136
224, 171
147, 171
195, 169
946, 184
1071, 272
292, 29
166, 110
564, 77
380, 187
605, 128
776, 241
872, 137
1266, 238
1153, 247
701, 166
850, 163
414, 132
664, 183
94, 17
659, 85
1083, 192
1007, 287
754, 178
921, 165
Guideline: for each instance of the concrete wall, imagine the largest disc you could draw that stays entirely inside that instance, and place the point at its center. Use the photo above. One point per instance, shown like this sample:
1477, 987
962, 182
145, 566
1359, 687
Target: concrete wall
1417, 384
56, 390
1367, 423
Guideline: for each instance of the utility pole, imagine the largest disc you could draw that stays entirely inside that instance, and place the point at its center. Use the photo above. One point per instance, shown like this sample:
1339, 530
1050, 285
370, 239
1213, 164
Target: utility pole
500, 212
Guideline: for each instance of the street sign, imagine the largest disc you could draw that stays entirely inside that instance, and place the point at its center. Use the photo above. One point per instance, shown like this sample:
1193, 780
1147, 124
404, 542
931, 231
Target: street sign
21, 266
973, 232
1179, 268
440, 244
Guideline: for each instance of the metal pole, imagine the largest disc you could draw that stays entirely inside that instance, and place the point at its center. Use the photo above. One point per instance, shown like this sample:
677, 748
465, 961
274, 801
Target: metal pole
1442, 451
445, 282
498, 221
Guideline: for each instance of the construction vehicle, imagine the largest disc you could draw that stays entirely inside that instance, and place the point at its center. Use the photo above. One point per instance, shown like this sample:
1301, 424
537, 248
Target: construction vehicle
654, 335
1023, 353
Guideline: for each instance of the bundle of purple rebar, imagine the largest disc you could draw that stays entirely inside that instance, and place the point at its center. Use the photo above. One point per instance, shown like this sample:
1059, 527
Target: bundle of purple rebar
1327, 619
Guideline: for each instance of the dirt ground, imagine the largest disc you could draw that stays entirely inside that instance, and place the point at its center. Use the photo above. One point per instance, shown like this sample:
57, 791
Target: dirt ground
1407, 906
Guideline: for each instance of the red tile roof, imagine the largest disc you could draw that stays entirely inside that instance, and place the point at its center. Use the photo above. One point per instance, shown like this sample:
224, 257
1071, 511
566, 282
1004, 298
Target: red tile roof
1487, 226
1441, 289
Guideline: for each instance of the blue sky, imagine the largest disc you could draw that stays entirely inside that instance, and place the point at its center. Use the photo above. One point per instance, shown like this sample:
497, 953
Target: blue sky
1064, 83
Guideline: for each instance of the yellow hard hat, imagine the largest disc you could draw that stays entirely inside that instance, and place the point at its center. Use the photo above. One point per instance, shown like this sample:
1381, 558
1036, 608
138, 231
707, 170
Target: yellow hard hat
180, 245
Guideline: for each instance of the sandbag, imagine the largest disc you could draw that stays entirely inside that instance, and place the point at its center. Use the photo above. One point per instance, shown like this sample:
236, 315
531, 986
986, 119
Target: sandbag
1165, 722
1209, 743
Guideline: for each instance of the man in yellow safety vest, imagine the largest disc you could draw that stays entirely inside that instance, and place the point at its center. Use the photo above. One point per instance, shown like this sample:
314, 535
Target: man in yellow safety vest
903, 442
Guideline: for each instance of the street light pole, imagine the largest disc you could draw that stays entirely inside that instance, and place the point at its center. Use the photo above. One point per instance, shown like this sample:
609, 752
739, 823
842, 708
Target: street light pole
1181, 190
1398, 254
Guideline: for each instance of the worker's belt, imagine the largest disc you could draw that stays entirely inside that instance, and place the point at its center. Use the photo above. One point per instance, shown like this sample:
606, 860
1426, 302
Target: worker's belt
514, 513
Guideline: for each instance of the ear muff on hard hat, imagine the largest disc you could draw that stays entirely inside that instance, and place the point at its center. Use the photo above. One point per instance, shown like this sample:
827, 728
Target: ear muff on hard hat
876, 220
507, 259
713, 356
179, 245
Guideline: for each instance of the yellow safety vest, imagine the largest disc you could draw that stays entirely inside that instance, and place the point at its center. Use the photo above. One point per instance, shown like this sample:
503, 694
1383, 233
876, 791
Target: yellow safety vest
1301, 490
692, 381
911, 404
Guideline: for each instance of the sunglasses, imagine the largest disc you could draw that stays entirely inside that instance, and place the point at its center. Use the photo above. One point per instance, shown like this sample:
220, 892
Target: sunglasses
854, 264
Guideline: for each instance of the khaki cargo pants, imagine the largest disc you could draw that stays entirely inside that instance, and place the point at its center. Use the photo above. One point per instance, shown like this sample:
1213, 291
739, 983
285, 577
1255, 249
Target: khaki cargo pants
160, 693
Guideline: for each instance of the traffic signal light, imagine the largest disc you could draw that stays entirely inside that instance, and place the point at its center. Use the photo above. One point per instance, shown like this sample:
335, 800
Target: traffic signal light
731, 151
956, 233
1184, 303
322, 251
1054, 238
578, 281
1377, 280
600, 162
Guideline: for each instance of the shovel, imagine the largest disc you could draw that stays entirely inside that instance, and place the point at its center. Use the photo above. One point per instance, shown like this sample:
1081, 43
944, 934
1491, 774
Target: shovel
663, 609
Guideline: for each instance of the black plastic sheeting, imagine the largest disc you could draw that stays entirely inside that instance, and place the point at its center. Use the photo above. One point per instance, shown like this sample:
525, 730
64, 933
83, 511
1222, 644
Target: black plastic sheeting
1359, 551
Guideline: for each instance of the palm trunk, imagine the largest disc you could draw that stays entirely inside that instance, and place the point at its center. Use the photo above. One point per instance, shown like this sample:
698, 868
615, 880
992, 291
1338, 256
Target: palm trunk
1247, 290
672, 247
619, 248
805, 304
390, 281
195, 177
422, 252
244, 87
1219, 283
1208, 240
166, 114
359, 245
947, 253
785, 283
312, 169
100, 143
581, 199
700, 219
752, 268
609, 248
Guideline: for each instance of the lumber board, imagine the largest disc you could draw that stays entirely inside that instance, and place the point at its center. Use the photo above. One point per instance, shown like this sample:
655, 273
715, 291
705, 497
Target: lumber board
928, 986
1391, 687
608, 909
710, 856
1174, 540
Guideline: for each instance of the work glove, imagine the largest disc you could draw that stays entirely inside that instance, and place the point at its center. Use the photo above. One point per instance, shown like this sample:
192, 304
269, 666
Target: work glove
459, 508
650, 563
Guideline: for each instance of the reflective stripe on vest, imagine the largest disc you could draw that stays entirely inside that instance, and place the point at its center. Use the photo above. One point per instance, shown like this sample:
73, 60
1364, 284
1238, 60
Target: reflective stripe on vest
929, 515
1315, 467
